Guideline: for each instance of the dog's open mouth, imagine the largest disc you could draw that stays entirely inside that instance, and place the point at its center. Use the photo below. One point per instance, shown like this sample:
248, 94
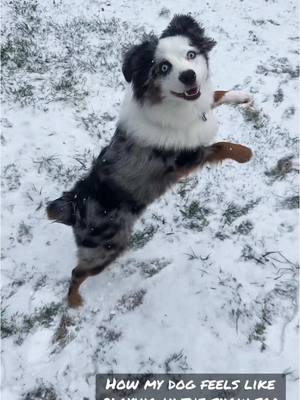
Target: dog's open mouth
191, 94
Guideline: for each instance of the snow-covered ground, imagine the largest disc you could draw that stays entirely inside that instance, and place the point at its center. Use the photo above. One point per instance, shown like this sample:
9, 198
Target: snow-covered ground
210, 283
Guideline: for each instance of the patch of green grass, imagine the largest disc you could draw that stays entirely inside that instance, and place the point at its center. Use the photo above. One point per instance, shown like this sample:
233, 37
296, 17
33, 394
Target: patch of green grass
196, 216
221, 235
283, 167
259, 335
258, 22
47, 164
290, 203
193, 256
62, 335
260, 329
95, 124
43, 316
8, 324
146, 268
244, 228
15, 52
140, 238
256, 117
3, 140
289, 112
11, 177
186, 185
253, 37
24, 234
68, 87
109, 335
41, 392
235, 211
63, 174
152, 267
248, 254
278, 96
129, 302
176, 362
19, 47
79, 46
164, 12
279, 66
22, 92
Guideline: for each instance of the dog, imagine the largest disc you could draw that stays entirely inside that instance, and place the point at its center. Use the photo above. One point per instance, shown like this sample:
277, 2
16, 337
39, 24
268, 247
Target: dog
165, 131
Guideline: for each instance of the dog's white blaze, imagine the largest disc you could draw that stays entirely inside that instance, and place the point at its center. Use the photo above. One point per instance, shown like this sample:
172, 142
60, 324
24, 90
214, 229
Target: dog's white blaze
175, 122
170, 125
174, 49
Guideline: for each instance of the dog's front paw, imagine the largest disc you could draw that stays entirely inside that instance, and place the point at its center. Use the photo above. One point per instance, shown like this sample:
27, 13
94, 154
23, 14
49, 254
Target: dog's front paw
239, 97
240, 153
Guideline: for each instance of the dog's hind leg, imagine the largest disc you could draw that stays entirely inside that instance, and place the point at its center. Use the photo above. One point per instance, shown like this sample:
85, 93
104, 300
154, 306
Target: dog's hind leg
92, 261
79, 275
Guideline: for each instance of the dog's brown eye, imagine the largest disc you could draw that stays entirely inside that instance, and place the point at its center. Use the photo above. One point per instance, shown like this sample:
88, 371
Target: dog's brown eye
191, 55
164, 67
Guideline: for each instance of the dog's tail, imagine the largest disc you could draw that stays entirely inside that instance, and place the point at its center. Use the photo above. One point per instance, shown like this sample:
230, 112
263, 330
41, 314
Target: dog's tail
62, 209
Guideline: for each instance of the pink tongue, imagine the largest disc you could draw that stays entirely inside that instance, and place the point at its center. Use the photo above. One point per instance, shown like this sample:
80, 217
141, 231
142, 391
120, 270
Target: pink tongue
192, 91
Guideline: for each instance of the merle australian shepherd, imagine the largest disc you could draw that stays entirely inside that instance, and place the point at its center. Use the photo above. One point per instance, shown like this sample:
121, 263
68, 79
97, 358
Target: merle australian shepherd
165, 130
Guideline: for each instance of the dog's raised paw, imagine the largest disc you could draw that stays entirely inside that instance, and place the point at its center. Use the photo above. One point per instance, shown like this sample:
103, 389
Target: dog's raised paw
240, 153
239, 97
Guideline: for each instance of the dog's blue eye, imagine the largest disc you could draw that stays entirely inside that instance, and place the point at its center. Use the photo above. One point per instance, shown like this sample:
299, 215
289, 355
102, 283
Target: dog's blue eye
164, 67
190, 55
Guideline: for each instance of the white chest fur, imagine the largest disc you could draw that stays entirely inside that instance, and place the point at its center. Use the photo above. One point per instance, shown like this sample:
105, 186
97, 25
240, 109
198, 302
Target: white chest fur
171, 125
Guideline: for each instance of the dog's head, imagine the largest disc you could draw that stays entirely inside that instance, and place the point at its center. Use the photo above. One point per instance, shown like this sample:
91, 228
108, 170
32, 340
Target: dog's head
173, 66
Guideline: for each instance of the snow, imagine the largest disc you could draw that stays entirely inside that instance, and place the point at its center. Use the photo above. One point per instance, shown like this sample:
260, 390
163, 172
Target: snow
210, 283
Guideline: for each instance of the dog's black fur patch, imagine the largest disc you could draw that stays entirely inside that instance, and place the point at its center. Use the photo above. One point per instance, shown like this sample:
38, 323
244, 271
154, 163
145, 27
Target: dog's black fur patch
71, 207
62, 209
90, 243
174, 159
137, 64
185, 25
190, 158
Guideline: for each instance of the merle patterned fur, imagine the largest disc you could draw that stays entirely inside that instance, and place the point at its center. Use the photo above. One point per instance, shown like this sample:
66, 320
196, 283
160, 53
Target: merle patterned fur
127, 176
185, 25
103, 207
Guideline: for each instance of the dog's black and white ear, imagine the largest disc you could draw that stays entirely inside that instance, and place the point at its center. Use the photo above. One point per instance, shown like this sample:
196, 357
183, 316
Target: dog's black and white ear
186, 25
183, 25
62, 210
129, 62
139, 58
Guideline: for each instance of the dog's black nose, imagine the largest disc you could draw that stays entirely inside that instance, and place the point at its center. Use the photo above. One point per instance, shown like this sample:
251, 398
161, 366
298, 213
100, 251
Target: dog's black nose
188, 77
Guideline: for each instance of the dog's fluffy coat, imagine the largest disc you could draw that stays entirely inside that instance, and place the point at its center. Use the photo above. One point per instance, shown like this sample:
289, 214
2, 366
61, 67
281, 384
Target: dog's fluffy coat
165, 131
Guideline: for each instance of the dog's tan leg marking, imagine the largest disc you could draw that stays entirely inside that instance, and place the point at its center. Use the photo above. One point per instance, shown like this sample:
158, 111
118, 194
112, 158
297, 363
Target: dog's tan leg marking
231, 97
218, 96
219, 152
78, 277
225, 150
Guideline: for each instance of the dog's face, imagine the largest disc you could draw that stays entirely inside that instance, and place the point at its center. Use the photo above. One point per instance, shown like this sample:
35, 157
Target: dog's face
173, 67
180, 68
